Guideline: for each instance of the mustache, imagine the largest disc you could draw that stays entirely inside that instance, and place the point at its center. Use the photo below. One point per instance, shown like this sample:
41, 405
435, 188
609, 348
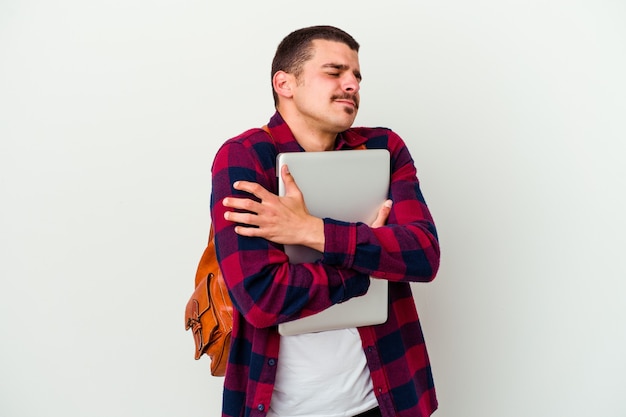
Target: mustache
353, 98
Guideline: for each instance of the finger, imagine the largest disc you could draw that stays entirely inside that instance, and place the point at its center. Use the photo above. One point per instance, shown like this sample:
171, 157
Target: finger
248, 231
241, 203
290, 183
242, 218
383, 214
252, 188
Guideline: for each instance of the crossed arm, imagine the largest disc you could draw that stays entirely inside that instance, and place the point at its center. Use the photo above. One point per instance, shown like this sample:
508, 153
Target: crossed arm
284, 220
400, 245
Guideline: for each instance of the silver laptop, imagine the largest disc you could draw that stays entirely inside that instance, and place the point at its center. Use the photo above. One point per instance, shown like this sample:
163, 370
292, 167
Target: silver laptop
342, 185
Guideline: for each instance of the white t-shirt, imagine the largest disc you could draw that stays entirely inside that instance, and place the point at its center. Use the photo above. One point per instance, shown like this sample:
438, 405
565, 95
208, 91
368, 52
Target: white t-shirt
322, 374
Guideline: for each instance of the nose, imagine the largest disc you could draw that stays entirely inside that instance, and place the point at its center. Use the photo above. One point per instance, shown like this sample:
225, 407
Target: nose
351, 83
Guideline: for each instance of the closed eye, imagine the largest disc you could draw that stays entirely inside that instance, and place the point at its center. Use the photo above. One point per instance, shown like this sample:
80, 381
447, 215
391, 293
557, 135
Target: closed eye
337, 69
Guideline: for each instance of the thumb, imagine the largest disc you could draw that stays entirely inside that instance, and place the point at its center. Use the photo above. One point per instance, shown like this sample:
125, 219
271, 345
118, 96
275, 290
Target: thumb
383, 214
290, 183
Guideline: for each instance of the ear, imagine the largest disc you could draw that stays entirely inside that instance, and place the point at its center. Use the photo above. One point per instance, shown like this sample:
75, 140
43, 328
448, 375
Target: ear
282, 83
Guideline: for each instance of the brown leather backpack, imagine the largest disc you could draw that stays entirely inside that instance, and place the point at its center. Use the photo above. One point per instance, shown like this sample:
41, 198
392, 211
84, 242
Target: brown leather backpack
209, 312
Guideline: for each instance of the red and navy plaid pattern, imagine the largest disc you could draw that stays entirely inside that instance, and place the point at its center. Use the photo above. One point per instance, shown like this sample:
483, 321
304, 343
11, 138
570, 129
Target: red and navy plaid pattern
266, 289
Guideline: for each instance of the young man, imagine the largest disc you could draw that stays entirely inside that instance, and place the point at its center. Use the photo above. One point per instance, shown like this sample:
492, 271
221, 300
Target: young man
374, 370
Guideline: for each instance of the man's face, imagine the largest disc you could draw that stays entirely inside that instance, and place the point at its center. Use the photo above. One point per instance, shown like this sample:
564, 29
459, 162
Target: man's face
326, 94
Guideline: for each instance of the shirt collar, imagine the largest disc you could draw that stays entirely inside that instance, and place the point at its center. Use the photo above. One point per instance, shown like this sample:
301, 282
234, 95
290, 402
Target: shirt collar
286, 142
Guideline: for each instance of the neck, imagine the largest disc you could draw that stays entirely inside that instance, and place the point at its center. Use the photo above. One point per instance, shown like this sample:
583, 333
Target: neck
311, 137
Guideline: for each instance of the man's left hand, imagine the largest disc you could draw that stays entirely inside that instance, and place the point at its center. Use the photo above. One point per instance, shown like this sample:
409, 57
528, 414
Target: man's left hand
283, 220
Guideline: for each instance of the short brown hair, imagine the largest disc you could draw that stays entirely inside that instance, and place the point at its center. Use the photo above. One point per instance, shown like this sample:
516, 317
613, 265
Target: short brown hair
297, 48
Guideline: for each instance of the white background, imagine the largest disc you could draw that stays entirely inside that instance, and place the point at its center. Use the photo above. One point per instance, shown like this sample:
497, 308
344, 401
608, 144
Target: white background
111, 113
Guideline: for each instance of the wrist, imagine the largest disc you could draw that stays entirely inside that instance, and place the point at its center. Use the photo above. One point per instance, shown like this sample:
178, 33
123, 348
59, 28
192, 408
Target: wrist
314, 234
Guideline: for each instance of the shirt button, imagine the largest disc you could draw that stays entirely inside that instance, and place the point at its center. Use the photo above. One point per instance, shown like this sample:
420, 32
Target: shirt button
271, 362
260, 407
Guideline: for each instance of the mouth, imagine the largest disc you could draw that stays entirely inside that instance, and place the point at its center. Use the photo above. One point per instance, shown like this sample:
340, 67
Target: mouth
347, 101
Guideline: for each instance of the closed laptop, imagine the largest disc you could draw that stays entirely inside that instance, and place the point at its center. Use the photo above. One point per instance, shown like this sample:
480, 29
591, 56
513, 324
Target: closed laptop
350, 186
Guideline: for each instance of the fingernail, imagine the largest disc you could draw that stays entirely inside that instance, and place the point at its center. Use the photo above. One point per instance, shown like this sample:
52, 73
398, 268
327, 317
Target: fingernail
388, 203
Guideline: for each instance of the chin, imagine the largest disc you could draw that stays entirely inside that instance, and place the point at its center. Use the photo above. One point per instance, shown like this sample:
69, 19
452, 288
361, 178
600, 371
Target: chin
340, 127
350, 122
348, 118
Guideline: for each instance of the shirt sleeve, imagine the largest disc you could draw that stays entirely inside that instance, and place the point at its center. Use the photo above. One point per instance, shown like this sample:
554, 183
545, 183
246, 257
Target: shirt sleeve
263, 285
407, 248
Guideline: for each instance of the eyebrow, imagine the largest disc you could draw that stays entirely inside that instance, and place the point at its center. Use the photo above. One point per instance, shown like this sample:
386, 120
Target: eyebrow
342, 67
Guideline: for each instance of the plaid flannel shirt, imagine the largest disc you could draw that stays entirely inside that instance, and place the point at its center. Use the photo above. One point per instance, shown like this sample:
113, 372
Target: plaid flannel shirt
266, 289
